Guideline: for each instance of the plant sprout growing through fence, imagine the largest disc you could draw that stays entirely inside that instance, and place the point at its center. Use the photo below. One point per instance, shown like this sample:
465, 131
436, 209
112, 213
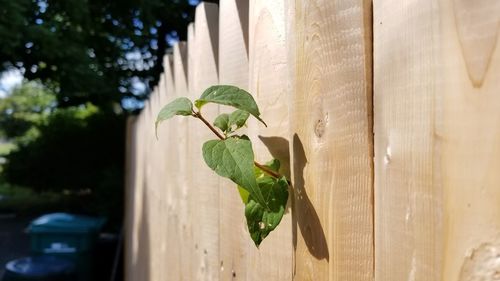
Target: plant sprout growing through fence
262, 189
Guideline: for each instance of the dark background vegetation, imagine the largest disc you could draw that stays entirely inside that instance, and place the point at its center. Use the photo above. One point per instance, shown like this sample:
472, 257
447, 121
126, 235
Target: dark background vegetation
87, 65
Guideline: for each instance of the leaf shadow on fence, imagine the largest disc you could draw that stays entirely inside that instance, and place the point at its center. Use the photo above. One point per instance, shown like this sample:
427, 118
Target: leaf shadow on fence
304, 215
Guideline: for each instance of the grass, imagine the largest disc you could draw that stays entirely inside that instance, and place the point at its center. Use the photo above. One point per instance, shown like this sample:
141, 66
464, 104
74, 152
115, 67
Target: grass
23, 200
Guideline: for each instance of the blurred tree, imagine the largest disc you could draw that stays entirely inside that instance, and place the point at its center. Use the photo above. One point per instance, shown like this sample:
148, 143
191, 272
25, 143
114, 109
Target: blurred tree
26, 107
90, 56
91, 50
78, 149
75, 148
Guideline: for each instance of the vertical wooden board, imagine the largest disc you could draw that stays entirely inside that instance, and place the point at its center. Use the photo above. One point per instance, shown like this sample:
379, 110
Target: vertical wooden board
168, 63
437, 140
203, 181
184, 234
407, 199
191, 227
470, 160
162, 86
142, 222
158, 190
191, 48
170, 172
129, 212
273, 260
233, 70
152, 192
140, 245
233, 40
332, 140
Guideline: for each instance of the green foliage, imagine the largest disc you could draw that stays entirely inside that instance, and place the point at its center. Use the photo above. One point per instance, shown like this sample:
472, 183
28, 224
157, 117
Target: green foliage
180, 106
232, 158
262, 189
71, 150
232, 96
262, 220
74, 150
25, 200
77, 149
27, 106
229, 123
90, 51
238, 118
6, 148
222, 122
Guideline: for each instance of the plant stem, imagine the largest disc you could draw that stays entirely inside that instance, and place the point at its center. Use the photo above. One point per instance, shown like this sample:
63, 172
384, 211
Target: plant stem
198, 115
260, 166
267, 170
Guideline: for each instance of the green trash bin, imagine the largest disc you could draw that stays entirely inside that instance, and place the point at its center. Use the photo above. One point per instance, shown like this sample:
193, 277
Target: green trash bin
69, 236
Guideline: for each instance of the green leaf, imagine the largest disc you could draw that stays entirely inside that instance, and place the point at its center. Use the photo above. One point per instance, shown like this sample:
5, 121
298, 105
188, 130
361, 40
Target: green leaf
244, 194
233, 158
273, 165
179, 106
261, 220
232, 96
222, 122
238, 118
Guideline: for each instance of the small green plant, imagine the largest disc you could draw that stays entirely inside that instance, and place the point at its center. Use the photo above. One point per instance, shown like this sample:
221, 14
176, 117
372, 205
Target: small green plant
263, 190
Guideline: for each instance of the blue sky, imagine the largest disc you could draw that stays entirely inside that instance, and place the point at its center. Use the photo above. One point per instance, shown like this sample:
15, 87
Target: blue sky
9, 80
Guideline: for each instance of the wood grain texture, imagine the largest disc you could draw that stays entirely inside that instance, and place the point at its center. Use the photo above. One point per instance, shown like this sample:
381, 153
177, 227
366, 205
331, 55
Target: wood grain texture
190, 157
203, 180
131, 161
154, 192
273, 260
233, 70
331, 117
437, 129
134, 208
168, 154
183, 238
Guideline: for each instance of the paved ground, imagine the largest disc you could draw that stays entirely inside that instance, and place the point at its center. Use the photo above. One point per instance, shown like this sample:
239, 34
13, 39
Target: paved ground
14, 242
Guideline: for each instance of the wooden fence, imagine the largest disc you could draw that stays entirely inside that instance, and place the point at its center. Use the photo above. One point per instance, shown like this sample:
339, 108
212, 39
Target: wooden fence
386, 116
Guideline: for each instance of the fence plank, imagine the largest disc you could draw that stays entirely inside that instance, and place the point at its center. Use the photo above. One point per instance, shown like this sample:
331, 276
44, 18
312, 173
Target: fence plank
184, 235
331, 117
203, 181
190, 158
155, 192
233, 70
437, 139
436, 123
131, 169
168, 174
268, 83
145, 257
